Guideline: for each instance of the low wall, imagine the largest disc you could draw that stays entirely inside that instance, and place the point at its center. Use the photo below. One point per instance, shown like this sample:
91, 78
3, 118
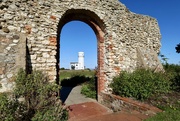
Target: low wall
117, 103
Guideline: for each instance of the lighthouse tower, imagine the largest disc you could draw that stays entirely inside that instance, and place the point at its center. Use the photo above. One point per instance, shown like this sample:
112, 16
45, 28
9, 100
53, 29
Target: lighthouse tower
81, 60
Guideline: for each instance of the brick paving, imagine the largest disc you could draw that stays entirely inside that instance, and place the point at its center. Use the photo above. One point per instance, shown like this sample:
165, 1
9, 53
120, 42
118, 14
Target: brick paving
93, 111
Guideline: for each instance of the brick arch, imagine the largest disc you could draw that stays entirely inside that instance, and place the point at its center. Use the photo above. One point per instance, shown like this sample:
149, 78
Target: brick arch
124, 38
97, 25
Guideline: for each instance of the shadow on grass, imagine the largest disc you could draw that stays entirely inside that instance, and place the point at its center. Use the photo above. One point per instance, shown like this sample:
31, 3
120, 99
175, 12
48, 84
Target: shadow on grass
69, 84
74, 81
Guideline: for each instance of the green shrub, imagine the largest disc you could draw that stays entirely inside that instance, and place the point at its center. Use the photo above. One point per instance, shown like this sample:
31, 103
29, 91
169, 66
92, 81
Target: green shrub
54, 113
89, 88
140, 84
172, 68
36, 89
174, 71
40, 99
7, 108
11, 109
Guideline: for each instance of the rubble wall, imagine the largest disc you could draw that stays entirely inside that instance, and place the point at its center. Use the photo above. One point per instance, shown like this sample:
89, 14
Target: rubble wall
120, 34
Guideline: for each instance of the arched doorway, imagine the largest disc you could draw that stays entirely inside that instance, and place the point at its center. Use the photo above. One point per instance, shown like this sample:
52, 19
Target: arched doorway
97, 25
77, 36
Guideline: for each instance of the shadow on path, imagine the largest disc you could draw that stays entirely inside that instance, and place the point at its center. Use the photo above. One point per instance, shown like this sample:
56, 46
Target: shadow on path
64, 93
69, 84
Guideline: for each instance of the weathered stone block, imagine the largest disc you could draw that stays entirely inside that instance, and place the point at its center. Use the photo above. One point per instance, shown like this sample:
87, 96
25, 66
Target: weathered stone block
2, 69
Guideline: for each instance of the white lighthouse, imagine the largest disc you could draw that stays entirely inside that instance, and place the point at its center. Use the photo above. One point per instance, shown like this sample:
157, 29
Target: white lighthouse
81, 60
80, 64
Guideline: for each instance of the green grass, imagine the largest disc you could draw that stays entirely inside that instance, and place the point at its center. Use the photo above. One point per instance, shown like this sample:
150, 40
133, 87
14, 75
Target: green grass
169, 103
72, 78
89, 88
167, 115
65, 74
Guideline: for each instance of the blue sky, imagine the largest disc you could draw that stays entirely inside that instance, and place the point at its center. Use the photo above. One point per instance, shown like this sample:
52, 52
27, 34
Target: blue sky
167, 14
77, 36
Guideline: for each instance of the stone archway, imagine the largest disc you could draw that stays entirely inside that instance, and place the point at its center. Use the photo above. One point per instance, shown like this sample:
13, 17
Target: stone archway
124, 38
96, 24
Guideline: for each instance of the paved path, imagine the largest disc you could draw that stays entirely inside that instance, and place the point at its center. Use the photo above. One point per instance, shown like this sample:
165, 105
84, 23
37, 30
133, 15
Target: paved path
87, 109
93, 111
72, 95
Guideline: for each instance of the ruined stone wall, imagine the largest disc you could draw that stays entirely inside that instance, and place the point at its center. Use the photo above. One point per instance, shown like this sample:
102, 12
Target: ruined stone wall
124, 33
12, 57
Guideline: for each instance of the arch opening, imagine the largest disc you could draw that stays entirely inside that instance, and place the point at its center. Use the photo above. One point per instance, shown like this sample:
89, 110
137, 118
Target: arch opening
77, 36
91, 19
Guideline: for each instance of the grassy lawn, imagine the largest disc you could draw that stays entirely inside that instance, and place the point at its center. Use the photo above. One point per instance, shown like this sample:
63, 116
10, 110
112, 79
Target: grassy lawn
168, 114
65, 74
72, 78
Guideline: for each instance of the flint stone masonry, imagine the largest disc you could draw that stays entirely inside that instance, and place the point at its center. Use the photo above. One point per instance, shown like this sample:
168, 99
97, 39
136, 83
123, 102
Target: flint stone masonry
12, 57
125, 40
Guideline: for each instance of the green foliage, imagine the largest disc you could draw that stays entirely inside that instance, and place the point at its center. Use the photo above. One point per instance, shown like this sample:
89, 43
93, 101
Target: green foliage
40, 99
73, 78
36, 89
165, 100
54, 113
74, 81
164, 59
62, 68
89, 89
174, 71
167, 115
168, 102
72, 67
176, 82
11, 109
178, 48
140, 84
65, 74
7, 108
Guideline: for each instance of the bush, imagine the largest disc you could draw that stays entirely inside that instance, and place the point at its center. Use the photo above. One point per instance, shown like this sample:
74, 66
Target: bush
54, 113
140, 84
89, 88
174, 71
40, 99
7, 108
11, 109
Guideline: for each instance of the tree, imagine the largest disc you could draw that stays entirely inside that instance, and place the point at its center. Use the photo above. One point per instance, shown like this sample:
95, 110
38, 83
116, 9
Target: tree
178, 48
62, 68
72, 67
